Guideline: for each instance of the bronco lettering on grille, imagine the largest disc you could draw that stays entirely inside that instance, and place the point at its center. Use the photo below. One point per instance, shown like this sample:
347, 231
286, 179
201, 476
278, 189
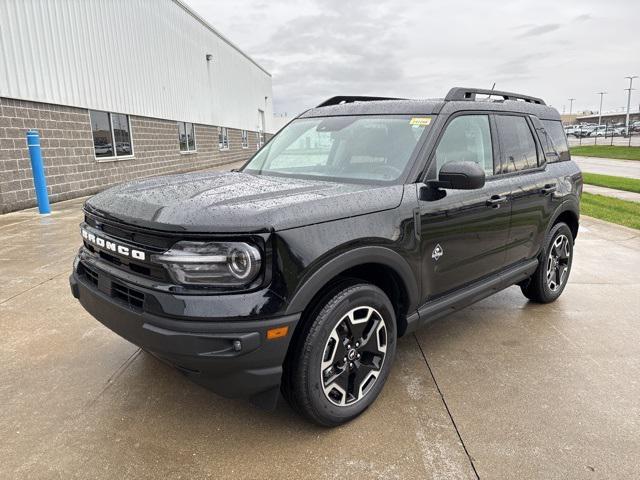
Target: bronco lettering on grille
114, 247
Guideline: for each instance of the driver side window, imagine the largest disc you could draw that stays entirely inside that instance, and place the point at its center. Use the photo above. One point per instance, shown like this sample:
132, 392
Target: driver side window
467, 139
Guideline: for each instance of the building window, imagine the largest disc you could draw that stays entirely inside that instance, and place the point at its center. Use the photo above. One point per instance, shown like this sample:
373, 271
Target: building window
245, 139
186, 137
223, 138
111, 134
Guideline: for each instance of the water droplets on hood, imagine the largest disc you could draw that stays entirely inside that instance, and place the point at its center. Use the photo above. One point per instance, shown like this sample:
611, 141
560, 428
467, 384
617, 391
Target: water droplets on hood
238, 201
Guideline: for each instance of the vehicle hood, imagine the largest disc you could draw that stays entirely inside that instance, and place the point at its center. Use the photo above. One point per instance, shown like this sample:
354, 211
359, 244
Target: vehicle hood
237, 202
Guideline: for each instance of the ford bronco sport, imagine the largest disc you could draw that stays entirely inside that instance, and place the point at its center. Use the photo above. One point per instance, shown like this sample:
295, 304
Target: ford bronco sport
357, 223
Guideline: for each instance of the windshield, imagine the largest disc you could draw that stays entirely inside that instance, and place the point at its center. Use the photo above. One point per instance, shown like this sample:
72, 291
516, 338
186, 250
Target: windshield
348, 148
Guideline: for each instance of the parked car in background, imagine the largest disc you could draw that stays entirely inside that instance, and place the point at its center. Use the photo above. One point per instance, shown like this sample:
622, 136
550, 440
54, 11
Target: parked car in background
581, 130
609, 131
601, 131
570, 130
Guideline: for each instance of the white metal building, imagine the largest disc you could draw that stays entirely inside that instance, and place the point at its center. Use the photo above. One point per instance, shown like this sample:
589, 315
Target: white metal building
148, 68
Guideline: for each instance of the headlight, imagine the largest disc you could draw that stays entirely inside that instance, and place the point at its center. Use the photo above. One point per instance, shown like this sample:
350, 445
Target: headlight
212, 263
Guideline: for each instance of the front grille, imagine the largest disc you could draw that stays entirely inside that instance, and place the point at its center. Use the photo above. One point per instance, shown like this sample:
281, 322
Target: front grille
130, 234
133, 298
90, 275
134, 239
134, 267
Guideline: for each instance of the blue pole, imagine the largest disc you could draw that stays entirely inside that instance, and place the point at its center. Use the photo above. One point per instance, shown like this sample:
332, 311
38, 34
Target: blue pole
39, 180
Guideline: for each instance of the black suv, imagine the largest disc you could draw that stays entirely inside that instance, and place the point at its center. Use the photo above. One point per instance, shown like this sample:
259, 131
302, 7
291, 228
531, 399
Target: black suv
360, 221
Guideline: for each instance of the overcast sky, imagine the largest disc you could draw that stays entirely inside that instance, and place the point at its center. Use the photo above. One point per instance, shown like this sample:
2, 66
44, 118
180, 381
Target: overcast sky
554, 49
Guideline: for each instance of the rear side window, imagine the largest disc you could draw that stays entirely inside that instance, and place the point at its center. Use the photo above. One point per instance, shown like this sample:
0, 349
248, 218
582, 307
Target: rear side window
467, 138
519, 150
555, 142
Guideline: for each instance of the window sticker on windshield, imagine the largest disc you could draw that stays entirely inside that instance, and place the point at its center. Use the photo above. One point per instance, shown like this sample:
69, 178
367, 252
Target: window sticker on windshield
420, 121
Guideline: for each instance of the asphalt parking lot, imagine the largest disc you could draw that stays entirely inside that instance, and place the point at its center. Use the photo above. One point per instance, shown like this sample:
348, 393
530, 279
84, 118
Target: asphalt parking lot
503, 389
633, 141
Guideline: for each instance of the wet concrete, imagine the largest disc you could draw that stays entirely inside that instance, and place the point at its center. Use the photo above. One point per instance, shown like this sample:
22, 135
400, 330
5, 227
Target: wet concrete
611, 192
608, 166
505, 388
550, 391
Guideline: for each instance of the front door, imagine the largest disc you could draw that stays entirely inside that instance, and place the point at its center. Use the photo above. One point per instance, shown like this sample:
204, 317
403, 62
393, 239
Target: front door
464, 234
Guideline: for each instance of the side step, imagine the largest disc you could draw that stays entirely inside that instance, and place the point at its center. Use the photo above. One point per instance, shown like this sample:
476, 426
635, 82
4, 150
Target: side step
470, 294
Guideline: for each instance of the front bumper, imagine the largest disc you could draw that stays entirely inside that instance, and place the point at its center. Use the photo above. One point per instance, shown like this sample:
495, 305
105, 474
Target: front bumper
231, 358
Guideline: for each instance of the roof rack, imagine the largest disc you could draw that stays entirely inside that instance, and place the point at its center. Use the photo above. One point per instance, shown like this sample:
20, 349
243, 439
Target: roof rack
461, 93
351, 99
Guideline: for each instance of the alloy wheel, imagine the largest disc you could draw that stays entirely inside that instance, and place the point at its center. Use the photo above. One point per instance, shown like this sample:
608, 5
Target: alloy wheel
353, 356
558, 262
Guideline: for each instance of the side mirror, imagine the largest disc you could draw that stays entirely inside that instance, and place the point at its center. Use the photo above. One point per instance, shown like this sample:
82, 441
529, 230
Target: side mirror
459, 176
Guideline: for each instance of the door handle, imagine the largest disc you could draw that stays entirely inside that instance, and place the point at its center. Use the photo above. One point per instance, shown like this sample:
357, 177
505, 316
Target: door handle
496, 200
548, 188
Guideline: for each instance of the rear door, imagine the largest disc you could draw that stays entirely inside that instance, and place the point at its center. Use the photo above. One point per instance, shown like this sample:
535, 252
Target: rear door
523, 162
464, 234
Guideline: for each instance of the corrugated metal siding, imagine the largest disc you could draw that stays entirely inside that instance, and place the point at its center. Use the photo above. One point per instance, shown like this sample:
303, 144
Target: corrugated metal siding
142, 57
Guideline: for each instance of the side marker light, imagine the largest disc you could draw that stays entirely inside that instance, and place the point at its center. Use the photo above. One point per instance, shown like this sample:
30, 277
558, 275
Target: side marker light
277, 332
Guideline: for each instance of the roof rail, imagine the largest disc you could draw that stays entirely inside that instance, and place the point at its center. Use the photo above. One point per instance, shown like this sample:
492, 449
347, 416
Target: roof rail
461, 93
351, 99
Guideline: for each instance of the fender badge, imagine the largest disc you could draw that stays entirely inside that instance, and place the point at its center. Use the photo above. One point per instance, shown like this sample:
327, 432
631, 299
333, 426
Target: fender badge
437, 252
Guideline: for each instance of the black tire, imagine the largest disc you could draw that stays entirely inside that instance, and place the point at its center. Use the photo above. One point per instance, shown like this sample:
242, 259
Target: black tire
551, 277
327, 331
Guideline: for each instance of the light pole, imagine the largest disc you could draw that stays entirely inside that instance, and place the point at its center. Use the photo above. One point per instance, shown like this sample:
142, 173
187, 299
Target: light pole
602, 94
571, 100
629, 99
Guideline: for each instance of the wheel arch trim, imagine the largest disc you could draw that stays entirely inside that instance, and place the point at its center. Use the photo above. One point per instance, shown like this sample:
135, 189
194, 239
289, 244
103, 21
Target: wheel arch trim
571, 206
353, 258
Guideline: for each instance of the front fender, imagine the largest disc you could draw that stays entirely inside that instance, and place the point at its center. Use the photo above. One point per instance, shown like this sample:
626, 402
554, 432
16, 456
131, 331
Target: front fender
359, 256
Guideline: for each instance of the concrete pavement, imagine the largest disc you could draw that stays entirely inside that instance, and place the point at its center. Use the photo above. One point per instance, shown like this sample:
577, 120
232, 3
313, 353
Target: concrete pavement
612, 192
503, 389
608, 166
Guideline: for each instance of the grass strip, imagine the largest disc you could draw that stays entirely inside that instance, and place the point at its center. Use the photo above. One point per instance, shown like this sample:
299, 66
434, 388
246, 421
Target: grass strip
610, 181
611, 210
607, 151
